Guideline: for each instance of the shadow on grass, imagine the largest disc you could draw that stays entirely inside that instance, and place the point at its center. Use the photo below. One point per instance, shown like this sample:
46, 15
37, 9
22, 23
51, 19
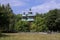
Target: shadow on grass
4, 35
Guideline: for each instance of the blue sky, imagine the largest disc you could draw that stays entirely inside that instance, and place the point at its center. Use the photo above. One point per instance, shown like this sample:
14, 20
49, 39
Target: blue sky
41, 6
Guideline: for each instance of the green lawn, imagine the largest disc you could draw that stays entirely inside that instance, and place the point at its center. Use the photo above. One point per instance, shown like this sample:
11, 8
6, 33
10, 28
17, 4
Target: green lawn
30, 36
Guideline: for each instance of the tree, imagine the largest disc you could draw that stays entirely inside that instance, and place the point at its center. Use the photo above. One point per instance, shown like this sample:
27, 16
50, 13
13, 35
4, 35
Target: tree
10, 19
33, 27
6, 16
17, 22
52, 19
40, 23
21, 26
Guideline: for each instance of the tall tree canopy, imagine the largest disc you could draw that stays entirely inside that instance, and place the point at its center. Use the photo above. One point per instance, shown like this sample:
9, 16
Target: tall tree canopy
52, 20
6, 17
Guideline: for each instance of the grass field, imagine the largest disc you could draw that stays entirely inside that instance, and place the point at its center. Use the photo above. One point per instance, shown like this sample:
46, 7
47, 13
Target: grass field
30, 36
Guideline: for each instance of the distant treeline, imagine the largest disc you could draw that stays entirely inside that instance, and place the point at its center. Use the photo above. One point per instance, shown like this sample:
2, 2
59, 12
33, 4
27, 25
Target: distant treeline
10, 22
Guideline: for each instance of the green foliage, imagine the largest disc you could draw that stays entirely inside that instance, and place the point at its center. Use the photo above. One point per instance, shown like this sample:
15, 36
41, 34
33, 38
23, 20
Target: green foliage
6, 17
17, 25
43, 22
20, 25
52, 20
33, 27
40, 22
17, 22
24, 26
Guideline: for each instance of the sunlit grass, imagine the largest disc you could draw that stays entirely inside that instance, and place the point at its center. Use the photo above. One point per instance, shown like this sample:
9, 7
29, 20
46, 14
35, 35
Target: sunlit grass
31, 36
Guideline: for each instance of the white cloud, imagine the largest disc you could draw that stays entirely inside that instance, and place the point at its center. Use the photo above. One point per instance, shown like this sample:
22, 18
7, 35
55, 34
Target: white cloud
13, 2
43, 8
